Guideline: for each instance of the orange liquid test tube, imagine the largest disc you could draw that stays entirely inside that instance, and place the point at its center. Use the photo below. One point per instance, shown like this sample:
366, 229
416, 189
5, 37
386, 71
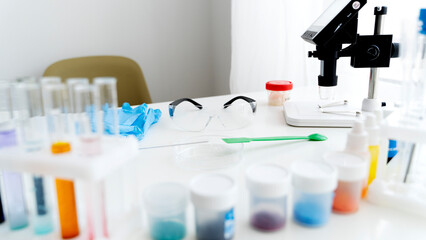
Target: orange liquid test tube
66, 199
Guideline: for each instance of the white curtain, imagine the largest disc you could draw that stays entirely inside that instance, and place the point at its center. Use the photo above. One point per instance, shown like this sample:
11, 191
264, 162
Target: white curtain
266, 42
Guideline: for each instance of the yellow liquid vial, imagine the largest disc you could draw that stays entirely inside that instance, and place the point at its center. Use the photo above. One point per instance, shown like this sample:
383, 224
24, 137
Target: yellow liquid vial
374, 152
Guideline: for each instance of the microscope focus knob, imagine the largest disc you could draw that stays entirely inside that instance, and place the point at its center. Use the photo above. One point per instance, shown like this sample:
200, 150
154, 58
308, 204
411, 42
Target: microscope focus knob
395, 50
312, 54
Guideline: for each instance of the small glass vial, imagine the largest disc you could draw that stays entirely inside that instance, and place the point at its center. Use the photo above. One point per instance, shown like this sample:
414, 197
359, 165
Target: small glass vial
352, 174
214, 197
314, 183
166, 205
268, 185
278, 92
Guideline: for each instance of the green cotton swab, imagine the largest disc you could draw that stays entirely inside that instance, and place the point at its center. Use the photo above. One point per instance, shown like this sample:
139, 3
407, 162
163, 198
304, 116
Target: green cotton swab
312, 137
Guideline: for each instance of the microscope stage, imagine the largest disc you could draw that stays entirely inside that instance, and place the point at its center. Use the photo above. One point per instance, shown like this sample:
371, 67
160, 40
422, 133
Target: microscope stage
309, 114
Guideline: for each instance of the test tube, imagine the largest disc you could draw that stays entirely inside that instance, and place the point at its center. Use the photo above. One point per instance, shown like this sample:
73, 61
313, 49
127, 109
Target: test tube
87, 120
89, 130
71, 83
1, 212
55, 105
107, 88
16, 209
28, 109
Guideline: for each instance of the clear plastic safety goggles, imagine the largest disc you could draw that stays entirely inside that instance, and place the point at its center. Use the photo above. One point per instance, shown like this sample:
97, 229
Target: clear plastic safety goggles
190, 115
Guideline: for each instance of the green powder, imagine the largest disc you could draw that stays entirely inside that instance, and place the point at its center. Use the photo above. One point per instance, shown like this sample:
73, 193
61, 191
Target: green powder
167, 230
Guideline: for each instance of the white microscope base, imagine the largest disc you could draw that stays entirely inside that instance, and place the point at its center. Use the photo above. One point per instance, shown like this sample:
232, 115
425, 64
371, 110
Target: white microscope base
308, 114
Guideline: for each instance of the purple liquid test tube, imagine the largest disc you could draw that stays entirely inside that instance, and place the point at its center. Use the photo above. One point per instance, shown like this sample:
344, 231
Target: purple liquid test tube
16, 210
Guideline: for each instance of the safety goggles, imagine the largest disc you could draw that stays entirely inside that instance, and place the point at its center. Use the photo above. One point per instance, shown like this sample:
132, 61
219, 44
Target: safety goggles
190, 115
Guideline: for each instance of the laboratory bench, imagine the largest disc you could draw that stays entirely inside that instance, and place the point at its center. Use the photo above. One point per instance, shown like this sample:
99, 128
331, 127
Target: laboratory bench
158, 164
155, 162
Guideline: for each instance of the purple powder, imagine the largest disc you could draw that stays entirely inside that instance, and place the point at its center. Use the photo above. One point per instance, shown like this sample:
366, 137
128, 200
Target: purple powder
7, 138
267, 221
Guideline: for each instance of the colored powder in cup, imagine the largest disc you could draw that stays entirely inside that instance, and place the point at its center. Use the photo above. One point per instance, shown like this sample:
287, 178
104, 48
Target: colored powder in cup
311, 214
267, 221
213, 230
8, 138
168, 230
345, 203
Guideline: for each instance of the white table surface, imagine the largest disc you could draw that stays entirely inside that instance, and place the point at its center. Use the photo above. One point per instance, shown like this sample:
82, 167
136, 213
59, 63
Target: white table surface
370, 222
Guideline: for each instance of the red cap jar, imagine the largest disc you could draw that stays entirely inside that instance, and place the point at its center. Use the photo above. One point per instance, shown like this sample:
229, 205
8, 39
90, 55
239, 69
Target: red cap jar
278, 92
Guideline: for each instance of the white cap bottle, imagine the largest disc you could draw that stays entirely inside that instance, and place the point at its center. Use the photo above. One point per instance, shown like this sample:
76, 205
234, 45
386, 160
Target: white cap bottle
373, 130
357, 140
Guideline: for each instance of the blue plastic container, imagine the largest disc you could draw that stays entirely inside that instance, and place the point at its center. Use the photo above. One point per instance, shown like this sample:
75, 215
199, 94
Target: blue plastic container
314, 183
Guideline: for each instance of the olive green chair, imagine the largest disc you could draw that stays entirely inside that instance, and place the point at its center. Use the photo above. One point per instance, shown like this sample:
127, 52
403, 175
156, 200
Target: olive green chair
131, 85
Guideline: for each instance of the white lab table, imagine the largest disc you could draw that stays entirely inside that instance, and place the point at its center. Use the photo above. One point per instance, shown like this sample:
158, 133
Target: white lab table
370, 222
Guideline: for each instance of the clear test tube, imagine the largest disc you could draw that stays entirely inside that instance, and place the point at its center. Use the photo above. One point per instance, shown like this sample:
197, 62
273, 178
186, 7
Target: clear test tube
107, 88
71, 83
28, 108
87, 118
17, 214
44, 81
55, 104
29, 111
89, 129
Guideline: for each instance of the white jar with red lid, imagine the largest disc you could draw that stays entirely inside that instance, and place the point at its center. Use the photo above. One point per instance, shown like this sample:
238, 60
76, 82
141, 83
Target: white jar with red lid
278, 92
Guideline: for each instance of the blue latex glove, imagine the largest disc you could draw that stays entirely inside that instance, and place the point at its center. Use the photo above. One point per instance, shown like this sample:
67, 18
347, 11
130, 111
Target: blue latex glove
133, 121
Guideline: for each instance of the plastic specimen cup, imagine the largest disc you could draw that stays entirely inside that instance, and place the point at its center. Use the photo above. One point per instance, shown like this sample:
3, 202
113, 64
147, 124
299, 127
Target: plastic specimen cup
56, 112
268, 185
313, 184
166, 206
352, 173
214, 196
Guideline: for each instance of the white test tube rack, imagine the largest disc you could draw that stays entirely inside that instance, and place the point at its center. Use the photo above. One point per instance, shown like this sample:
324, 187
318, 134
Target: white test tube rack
117, 151
385, 191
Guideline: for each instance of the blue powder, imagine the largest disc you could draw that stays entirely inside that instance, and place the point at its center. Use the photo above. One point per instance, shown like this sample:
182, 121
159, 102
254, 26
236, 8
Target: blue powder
167, 230
311, 214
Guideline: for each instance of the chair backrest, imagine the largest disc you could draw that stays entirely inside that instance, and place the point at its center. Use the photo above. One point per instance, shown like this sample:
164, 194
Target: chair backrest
131, 85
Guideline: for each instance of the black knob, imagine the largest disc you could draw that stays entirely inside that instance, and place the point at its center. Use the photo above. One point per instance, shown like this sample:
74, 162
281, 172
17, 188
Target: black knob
395, 50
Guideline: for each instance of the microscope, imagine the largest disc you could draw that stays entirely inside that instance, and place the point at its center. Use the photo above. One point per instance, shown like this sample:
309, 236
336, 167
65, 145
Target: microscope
338, 25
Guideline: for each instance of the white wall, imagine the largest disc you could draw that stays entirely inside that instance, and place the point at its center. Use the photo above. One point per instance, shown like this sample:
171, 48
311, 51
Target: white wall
181, 45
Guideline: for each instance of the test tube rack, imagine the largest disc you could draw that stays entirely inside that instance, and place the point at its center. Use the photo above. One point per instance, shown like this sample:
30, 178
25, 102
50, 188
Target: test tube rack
397, 194
90, 170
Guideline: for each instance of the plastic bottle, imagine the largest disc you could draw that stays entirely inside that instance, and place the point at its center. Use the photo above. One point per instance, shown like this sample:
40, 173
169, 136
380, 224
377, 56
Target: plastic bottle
357, 143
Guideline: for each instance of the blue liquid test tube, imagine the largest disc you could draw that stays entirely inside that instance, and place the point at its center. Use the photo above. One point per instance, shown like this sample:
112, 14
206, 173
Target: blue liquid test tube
14, 194
43, 220
28, 110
